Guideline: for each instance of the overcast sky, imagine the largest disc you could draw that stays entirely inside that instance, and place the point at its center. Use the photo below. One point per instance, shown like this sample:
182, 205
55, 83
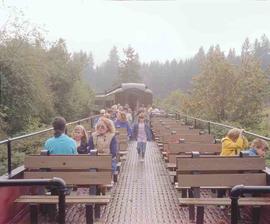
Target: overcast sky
158, 30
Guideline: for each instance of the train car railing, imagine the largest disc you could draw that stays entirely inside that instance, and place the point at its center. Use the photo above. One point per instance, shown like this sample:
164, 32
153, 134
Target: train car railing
55, 182
10, 140
237, 191
195, 120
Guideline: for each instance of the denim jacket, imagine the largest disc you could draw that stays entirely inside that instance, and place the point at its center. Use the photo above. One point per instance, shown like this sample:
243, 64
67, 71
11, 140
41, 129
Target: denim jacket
147, 131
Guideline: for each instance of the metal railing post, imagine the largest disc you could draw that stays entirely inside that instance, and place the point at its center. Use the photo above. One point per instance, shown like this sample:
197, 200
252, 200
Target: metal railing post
62, 205
57, 182
195, 123
9, 158
237, 191
209, 128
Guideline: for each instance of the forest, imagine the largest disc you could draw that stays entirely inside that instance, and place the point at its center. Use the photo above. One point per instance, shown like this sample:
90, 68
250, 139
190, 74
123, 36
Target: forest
227, 88
41, 79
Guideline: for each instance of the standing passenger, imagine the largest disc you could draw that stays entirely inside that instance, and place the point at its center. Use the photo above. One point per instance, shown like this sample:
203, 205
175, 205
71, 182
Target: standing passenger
60, 144
142, 134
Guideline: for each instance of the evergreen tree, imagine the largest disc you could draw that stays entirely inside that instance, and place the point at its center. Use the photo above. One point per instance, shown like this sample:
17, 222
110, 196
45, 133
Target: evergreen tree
129, 67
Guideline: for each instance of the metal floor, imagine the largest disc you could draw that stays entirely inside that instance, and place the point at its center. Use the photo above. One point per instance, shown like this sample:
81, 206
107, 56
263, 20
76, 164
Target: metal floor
144, 193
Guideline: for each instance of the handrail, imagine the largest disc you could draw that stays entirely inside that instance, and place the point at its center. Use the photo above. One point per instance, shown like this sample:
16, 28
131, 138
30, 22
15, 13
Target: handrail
239, 190
41, 132
56, 182
219, 124
9, 140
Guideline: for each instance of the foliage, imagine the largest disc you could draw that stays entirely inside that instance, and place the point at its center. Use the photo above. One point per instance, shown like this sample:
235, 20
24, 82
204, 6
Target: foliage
39, 80
226, 92
129, 67
173, 102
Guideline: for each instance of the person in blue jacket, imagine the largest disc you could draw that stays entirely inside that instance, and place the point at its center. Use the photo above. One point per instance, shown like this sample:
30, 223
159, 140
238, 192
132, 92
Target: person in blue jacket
258, 147
142, 134
122, 122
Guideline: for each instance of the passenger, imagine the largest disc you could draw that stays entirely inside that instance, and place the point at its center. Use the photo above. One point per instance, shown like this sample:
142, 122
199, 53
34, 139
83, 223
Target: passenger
139, 111
142, 134
104, 140
233, 143
114, 113
107, 115
122, 122
60, 144
128, 115
80, 135
102, 113
258, 147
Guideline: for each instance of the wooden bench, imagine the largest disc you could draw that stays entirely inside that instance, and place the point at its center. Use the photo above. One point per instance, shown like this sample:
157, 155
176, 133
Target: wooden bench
122, 138
217, 173
176, 138
76, 170
175, 149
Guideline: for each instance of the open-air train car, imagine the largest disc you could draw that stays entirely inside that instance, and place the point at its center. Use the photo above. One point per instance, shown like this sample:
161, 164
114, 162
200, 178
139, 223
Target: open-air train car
133, 94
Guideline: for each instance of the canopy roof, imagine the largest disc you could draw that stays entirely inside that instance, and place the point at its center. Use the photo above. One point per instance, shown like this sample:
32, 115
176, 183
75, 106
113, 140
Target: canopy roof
126, 86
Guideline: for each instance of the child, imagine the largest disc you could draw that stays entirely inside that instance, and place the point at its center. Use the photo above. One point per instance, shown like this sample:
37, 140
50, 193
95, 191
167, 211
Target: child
80, 135
233, 143
258, 147
142, 134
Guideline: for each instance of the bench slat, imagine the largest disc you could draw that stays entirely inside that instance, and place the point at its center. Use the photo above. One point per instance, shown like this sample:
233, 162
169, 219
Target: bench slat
204, 180
79, 178
176, 148
220, 164
63, 162
40, 199
188, 138
224, 201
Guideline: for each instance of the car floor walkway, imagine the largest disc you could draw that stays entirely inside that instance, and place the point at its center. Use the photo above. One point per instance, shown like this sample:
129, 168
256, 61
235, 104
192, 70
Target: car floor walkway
144, 194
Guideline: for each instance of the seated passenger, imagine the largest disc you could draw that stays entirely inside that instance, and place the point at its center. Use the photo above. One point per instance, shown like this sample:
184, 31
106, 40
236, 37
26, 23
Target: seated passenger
258, 147
122, 122
80, 135
60, 144
233, 143
104, 140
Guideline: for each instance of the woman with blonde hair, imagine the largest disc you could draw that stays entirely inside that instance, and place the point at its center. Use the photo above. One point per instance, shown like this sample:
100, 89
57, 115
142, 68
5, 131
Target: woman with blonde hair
234, 142
80, 135
122, 122
104, 140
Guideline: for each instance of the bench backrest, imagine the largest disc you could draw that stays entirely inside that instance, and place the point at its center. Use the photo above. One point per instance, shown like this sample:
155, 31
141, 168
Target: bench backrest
179, 130
175, 149
174, 138
212, 171
74, 169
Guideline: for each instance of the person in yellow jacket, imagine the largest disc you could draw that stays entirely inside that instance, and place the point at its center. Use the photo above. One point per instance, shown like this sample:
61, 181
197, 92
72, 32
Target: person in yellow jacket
234, 142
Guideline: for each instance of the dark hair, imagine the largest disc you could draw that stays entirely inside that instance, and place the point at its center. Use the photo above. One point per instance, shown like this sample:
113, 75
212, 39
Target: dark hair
59, 126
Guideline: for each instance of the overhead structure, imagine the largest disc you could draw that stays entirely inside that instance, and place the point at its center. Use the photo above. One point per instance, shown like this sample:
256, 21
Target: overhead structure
133, 94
